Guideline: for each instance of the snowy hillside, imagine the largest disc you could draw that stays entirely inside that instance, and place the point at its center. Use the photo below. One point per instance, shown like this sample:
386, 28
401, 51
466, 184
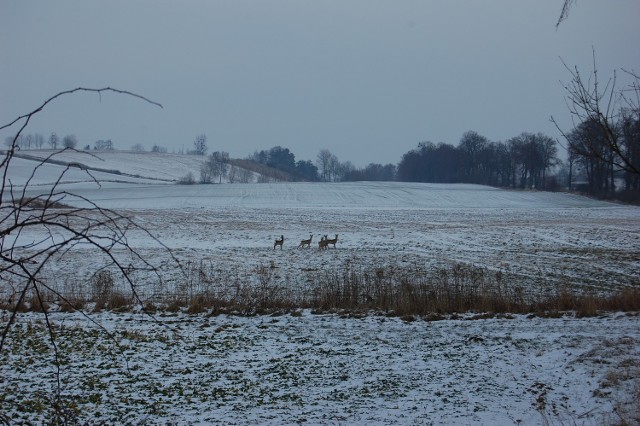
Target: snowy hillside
109, 166
125, 179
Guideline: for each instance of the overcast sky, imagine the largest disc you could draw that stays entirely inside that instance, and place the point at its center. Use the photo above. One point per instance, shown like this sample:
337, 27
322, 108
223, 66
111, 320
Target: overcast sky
367, 79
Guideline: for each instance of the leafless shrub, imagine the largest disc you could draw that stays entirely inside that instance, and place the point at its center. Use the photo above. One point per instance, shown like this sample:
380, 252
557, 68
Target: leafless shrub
187, 179
102, 288
72, 304
587, 306
119, 302
38, 303
627, 300
75, 296
205, 302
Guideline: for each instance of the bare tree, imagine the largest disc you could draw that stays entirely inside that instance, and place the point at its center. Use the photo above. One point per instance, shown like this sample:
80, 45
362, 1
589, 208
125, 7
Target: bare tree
27, 141
334, 167
232, 176
216, 165
323, 161
603, 108
70, 141
200, 145
103, 145
245, 175
630, 128
62, 226
588, 145
39, 140
221, 164
53, 140
471, 145
207, 169
10, 141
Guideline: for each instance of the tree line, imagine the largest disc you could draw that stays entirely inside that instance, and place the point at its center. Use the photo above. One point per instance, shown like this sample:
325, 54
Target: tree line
327, 167
37, 141
523, 161
603, 160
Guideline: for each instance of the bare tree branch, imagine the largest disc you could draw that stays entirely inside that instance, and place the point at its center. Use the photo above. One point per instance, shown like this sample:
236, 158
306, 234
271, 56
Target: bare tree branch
588, 102
564, 13
61, 227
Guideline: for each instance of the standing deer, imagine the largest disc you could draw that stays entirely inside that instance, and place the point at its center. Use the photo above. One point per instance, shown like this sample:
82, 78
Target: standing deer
306, 242
322, 244
278, 242
332, 241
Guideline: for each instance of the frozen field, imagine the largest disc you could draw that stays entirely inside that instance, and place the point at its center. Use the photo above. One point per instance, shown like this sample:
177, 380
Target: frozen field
323, 369
327, 370
546, 239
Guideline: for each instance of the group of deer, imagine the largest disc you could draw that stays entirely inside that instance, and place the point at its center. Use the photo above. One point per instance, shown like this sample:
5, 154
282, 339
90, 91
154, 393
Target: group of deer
322, 244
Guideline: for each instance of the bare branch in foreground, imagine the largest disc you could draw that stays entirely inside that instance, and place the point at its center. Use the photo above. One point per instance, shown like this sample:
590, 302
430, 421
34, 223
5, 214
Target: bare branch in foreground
46, 228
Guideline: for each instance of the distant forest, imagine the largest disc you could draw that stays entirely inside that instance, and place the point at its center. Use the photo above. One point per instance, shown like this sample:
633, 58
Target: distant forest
603, 160
598, 164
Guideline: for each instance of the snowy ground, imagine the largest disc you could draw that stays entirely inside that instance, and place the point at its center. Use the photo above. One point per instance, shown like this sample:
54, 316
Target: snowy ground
545, 239
323, 369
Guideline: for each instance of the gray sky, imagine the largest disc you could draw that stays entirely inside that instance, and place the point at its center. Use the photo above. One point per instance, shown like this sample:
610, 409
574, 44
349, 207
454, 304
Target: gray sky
366, 79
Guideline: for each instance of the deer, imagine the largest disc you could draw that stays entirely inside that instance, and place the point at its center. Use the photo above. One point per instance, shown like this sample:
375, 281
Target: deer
322, 244
332, 241
307, 243
278, 242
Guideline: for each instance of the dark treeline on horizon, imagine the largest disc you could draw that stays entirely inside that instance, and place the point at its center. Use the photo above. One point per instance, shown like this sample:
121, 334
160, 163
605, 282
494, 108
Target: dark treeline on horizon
522, 162
526, 161
594, 166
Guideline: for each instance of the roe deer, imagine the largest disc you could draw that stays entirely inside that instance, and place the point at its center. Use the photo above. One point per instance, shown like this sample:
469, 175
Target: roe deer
322, 244
278, 242
306, 242
332, 241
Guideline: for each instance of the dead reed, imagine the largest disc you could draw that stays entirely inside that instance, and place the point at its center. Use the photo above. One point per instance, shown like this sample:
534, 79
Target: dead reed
405, 292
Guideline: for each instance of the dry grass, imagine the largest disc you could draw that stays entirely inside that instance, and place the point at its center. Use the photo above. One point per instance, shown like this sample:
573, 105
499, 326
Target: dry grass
431, 294
72, 304
406, 293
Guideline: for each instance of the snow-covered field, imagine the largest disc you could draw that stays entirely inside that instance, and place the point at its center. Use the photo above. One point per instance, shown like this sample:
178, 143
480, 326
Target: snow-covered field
544, 238
330, 370
323, 369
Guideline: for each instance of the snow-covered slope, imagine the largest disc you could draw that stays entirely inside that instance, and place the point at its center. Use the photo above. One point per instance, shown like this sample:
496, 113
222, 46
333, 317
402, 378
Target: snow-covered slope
126, 177
121, 166
323, 196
